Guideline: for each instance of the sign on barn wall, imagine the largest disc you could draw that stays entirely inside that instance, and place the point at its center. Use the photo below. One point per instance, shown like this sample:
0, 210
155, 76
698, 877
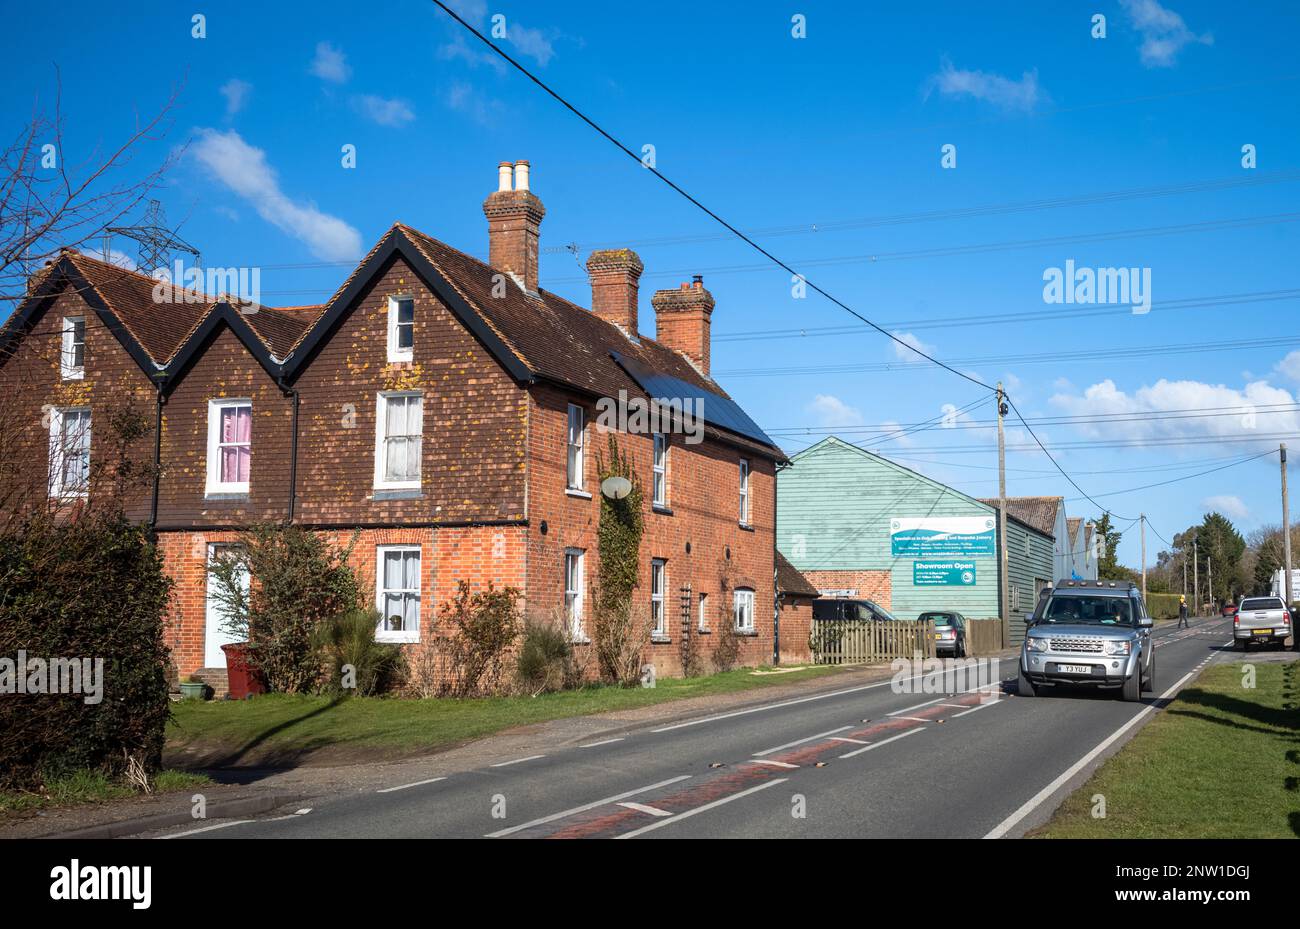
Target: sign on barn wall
943, 535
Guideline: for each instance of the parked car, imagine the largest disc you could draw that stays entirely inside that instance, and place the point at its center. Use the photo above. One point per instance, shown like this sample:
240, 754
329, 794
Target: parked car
949, 632
1262, 620
1229, 609
840, 608
1094, 633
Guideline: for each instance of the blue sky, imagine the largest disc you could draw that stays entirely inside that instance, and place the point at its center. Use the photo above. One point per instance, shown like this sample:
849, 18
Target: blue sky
812, 136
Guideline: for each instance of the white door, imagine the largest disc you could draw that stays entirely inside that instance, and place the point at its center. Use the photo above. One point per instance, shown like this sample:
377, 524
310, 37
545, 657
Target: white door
214, 636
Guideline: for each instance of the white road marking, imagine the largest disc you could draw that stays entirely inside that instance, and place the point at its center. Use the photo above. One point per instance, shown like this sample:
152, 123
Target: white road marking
892, 738
389, 790
915, 719
774, 763
1037, 799
233, 822
295, 813
605, 742
844, 738
955, 706
777, 706
908, 709
586, 806
974, 708
700, 809
642, 808
505, 764
821, 735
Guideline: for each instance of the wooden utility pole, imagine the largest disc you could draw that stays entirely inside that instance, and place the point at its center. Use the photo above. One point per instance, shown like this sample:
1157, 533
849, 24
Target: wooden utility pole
1196, 572
1209, 567
1004, 596
1286, 539
1144, 557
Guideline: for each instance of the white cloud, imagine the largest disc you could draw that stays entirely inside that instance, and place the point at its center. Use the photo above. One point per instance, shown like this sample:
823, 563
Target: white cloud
1000, 91
1226, 504
832, 413
465, 98
892, 432
905, 354
1289, 367
1135, 416
1164, 34
531, 42
120, 259
244, 170
330, 64
459, 49
236, 93
383, 111
537, 44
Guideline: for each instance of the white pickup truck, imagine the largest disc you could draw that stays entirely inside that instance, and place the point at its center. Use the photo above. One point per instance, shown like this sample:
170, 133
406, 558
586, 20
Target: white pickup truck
1262, 620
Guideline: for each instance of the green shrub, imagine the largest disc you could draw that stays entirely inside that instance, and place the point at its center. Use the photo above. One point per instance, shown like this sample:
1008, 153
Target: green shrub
355, 663
545, 657
483, 626
1164, 606
91, 587
298, 581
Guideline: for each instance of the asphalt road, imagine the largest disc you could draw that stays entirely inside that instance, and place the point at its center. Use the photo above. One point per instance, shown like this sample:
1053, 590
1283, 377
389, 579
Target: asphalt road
865, 762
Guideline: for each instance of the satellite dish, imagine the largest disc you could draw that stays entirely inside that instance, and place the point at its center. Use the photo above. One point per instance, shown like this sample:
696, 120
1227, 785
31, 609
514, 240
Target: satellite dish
616, 488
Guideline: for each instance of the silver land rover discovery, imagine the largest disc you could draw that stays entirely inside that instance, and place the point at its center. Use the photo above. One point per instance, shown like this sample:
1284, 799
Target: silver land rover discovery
1092, 633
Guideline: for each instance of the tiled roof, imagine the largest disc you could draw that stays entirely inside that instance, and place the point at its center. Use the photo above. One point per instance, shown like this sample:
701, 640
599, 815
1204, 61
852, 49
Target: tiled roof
790, 581
1039, 512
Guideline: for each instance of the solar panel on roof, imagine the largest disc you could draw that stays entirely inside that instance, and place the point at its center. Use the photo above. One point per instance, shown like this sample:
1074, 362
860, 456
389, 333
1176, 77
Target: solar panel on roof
714, 409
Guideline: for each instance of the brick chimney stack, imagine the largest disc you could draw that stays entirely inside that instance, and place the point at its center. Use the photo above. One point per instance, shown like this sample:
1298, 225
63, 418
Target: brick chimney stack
682, 320
514, 225
615, 274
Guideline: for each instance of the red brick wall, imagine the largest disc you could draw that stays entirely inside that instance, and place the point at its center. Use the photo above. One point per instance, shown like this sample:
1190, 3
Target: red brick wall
703, 481
870, 585
796, 624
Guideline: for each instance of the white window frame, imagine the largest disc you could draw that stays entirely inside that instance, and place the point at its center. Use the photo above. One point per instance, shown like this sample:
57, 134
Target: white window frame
214, 484
744, 491
575, 598
395, 352
70, 371
575, 448
742, 605
381, 425
659, 597
704, 612
403, 636
57, 417
659, 466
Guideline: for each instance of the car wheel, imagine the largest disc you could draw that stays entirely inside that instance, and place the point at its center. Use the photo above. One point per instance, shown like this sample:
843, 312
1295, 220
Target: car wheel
1149, 679
1131, 691
1025, 687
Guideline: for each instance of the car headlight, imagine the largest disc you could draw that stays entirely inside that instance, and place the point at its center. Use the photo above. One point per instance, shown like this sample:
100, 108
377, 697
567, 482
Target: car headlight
1119, 648
1036, 643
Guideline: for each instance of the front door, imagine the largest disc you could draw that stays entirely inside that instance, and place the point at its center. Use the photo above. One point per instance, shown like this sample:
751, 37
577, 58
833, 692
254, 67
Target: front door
214, 636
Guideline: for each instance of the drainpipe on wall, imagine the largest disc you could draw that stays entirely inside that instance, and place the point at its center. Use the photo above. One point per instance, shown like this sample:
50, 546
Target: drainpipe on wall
157, 457
292, 394
776, 593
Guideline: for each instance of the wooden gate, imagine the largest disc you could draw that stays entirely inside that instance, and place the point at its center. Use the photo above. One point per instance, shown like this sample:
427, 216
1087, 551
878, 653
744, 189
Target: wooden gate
856, 641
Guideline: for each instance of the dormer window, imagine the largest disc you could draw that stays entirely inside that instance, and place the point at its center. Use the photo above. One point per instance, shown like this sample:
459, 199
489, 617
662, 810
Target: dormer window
73, 356
401, 328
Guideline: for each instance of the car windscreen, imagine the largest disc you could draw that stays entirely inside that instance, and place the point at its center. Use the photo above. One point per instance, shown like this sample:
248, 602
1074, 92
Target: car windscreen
939, 619
1092, 611
1262, 603
826, 609
882, 613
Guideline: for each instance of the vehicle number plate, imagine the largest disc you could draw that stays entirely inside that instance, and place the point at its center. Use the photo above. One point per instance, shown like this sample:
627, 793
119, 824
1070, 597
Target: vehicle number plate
1074, 668
1262, 631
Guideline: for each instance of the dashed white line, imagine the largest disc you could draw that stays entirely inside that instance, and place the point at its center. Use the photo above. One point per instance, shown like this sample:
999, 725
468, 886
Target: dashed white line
389, 790
908, 709
820, 735
700, 809
506, 764
604, 742
586, 806
844, 738
915, 719
974, 708
643, 808
774, 763
233, 822
892, 738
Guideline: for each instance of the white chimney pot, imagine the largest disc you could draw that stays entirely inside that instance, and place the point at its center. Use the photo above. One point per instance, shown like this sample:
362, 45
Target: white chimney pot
521, 175
504, 172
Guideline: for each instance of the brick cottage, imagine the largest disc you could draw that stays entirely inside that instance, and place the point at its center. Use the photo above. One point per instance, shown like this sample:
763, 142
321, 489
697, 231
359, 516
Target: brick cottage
445, 408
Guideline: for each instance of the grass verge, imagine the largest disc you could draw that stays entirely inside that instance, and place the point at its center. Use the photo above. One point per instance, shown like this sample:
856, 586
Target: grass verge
281, 728
1222, 761
83, 787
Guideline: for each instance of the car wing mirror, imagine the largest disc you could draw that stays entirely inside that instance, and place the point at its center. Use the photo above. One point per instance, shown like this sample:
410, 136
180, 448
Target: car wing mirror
1146, 622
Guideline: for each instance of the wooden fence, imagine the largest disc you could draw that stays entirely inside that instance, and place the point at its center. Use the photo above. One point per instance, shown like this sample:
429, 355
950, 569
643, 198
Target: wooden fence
855, 641
983, 636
